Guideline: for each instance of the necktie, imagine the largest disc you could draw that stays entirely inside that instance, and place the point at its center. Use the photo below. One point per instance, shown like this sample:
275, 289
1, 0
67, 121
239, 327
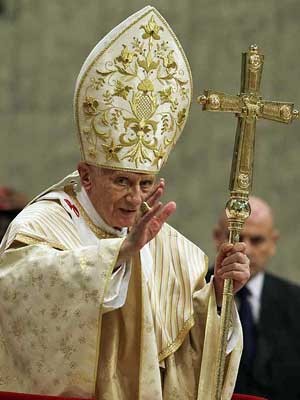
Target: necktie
248, 324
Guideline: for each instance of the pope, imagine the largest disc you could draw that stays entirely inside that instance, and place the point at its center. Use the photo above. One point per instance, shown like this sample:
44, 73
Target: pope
100, 297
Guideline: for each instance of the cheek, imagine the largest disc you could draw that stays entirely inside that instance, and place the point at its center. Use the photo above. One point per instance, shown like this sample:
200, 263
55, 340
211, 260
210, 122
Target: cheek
144, 196
263, 254
146, 193
106, 206
115, 203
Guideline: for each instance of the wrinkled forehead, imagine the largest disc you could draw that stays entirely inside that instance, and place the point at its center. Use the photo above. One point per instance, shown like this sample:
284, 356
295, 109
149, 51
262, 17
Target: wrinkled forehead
259, 225
129, 174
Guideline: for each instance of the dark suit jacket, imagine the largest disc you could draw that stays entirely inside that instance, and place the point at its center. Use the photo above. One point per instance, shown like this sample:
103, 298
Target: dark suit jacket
276, 370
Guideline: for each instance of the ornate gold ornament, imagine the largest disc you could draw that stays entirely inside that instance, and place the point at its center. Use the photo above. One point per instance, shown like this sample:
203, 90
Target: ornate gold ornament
214, 101
255, 58
285, 112
243, 180
132, 95
144, 207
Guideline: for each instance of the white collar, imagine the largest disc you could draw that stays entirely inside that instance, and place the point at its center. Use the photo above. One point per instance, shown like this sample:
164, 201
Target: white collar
255, 285
86, 203
145, 253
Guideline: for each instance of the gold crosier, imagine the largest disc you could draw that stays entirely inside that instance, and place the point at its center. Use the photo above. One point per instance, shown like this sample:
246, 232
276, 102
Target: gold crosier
248, 106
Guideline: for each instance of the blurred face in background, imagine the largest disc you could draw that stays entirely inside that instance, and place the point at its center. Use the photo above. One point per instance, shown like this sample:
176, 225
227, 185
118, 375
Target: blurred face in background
258, 233
11, 203
5, 219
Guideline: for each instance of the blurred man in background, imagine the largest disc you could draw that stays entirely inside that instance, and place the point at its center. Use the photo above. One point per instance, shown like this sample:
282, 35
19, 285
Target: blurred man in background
11, 203
268, 308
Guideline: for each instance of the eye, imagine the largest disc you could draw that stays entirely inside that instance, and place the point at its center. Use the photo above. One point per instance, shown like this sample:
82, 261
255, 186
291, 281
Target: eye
146, 184
122, 181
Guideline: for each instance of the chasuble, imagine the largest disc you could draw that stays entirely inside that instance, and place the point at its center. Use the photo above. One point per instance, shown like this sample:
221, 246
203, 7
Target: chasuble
72, 326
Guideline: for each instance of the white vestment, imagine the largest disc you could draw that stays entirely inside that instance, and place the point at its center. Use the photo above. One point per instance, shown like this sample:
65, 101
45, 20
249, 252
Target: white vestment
69, 325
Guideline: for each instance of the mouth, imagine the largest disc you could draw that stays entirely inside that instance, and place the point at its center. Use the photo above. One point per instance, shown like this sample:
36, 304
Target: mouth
127, 211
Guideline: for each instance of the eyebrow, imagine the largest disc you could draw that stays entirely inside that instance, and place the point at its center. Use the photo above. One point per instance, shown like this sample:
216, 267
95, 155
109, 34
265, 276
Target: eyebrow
129, 176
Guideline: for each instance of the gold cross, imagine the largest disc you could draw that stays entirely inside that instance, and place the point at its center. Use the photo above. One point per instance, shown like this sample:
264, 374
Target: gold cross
248, 106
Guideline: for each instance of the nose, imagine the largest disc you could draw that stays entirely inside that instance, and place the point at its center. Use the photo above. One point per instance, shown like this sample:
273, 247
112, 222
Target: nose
134, 196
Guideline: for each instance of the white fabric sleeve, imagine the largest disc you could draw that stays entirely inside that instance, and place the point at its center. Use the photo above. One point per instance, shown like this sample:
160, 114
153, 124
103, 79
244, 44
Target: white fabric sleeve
233, 334
235, 328
117, 290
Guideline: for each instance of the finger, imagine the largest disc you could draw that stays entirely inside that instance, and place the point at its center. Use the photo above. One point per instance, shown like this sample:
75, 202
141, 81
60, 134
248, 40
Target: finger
157, 221
155, 217
153, 198
223, 251
225, 248
233, 258
239, 247
150, 213
237, 276
156, 193
166, 211
236, 266
236, 247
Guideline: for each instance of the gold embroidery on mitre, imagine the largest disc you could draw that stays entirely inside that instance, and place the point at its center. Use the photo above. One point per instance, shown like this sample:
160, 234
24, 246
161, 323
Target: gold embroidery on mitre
133, 95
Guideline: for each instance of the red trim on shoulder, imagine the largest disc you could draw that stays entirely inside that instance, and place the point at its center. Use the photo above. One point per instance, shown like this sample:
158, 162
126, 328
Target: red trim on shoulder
72, 207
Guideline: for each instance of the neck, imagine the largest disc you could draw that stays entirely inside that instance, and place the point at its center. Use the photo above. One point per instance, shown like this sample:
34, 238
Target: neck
86, 203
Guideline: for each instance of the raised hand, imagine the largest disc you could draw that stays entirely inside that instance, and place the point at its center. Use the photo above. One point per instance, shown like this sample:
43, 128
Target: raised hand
147, 225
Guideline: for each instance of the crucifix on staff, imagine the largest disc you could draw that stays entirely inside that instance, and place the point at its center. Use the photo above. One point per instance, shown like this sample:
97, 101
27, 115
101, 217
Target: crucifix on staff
248, 106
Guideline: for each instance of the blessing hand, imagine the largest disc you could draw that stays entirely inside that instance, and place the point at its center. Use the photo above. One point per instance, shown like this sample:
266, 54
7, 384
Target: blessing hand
148, 224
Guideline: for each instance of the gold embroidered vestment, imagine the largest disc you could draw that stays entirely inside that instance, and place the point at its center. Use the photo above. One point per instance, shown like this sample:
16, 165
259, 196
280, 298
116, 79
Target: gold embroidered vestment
55, 338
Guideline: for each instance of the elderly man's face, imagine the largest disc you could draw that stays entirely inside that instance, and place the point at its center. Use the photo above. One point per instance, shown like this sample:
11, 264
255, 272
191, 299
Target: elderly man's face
117, 195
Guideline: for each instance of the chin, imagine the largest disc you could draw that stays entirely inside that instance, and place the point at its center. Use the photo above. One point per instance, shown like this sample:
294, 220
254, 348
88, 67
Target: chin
128, 224
124, 223
121, 219
254, 271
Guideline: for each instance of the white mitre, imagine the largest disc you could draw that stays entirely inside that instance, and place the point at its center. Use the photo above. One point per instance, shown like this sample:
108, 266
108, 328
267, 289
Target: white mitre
133, 95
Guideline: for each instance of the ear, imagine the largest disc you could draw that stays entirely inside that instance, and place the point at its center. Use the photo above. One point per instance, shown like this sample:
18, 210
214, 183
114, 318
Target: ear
85, 176
217, 236
275, 237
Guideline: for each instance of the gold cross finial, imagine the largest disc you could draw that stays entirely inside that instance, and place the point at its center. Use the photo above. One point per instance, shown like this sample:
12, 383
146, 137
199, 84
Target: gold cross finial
249, 102
248, 106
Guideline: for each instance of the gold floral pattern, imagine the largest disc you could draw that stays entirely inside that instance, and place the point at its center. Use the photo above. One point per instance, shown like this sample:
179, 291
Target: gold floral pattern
151, 30
133, 100
51, 320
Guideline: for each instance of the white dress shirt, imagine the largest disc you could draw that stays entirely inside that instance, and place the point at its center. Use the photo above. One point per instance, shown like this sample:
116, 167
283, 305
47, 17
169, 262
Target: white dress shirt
255, 286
